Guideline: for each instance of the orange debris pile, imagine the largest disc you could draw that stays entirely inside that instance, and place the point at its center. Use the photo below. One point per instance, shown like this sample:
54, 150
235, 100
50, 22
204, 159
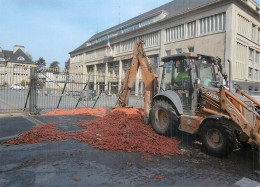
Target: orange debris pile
121, 129
158, 177
82, 111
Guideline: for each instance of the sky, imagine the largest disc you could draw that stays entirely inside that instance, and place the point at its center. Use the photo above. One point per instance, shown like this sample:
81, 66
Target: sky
53, 28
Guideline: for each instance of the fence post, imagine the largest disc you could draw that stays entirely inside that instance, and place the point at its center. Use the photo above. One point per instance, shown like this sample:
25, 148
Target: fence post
96, 100
62, 94
33, 93
27, 98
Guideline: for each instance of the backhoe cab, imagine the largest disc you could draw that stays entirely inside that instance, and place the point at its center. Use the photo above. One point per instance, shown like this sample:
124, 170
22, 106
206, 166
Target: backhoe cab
184, 73
193, 99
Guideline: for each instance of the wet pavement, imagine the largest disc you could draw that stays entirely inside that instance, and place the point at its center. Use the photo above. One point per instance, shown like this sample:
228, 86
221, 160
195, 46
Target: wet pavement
12, 126
73, 163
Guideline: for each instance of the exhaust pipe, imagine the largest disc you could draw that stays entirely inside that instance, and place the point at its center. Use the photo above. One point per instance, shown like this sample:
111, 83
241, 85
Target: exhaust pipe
230, 75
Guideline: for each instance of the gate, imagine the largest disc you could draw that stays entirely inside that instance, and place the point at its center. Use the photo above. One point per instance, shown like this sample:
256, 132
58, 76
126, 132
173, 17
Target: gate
63, 90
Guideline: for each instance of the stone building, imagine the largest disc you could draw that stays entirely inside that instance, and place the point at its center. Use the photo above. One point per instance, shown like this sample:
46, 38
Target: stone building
229, 29
14, 66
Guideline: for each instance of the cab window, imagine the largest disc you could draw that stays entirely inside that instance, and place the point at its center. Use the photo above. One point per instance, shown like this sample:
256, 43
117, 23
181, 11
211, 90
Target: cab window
175, 75
206, 72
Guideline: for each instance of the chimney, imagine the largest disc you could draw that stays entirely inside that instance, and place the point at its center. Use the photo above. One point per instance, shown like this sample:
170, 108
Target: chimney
16, 47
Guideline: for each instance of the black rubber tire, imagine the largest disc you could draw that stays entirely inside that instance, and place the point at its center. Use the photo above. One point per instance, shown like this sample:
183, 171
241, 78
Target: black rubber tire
170, 127
228, 138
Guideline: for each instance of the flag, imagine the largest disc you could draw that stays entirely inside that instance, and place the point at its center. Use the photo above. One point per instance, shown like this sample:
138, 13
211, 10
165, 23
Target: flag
108, 44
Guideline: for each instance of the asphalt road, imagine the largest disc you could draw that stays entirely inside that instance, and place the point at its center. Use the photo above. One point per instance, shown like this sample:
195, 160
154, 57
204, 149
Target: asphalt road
73, 163
12, 126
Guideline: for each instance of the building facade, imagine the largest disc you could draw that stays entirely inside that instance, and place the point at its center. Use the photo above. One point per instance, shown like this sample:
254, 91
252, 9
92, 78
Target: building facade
229, 29
14, 66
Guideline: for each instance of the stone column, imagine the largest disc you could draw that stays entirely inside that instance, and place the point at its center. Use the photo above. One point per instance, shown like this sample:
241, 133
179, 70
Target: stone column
106, 76
85, 77
95, 77
109, 87
142, 88
120, 75
98, 87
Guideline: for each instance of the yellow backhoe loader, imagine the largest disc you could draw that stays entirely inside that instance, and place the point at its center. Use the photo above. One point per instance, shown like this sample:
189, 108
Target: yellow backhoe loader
192, 98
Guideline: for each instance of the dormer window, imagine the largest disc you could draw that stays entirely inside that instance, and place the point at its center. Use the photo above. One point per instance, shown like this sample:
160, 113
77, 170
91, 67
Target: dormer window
20, 58
2, 59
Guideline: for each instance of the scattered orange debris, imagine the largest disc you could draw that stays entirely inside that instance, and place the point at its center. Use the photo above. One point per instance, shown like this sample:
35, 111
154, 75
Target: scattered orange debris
121, 129
129, 164
194, 160
82, 111
158, 177
165, 156
78, 179
149, 158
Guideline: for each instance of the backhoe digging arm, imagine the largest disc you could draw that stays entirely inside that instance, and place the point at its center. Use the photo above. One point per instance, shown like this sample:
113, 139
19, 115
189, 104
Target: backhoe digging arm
149, 77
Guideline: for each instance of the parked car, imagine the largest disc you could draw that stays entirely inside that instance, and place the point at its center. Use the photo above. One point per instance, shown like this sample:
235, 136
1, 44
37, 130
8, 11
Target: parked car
17, 87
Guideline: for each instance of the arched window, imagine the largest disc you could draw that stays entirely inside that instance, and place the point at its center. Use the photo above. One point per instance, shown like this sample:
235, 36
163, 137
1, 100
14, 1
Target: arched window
20, 58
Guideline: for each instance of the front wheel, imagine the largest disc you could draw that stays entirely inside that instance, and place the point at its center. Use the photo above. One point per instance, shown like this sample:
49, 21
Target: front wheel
218, 138
164, 118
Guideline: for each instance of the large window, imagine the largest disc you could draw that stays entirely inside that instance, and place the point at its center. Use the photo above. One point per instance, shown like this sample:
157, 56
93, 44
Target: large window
191, 29
151, 39
155, 62
253, 32
113, 68
213, 23
190, 49
251, 51
175, 33
243, 26
101, 68
258, 35
256, 74
90, 69
256, 57
250, 72
168, 52
128, 28
126, 65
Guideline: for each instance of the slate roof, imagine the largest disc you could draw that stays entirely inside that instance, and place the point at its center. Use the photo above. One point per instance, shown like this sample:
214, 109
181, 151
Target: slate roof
1, 55
10, 56
173, 8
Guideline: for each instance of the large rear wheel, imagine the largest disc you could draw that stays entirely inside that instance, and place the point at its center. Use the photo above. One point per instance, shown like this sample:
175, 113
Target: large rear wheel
218, 138
164, 118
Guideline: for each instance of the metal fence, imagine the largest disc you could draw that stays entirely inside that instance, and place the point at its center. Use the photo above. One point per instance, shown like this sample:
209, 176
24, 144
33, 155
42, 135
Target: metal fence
41, 90
14, 88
